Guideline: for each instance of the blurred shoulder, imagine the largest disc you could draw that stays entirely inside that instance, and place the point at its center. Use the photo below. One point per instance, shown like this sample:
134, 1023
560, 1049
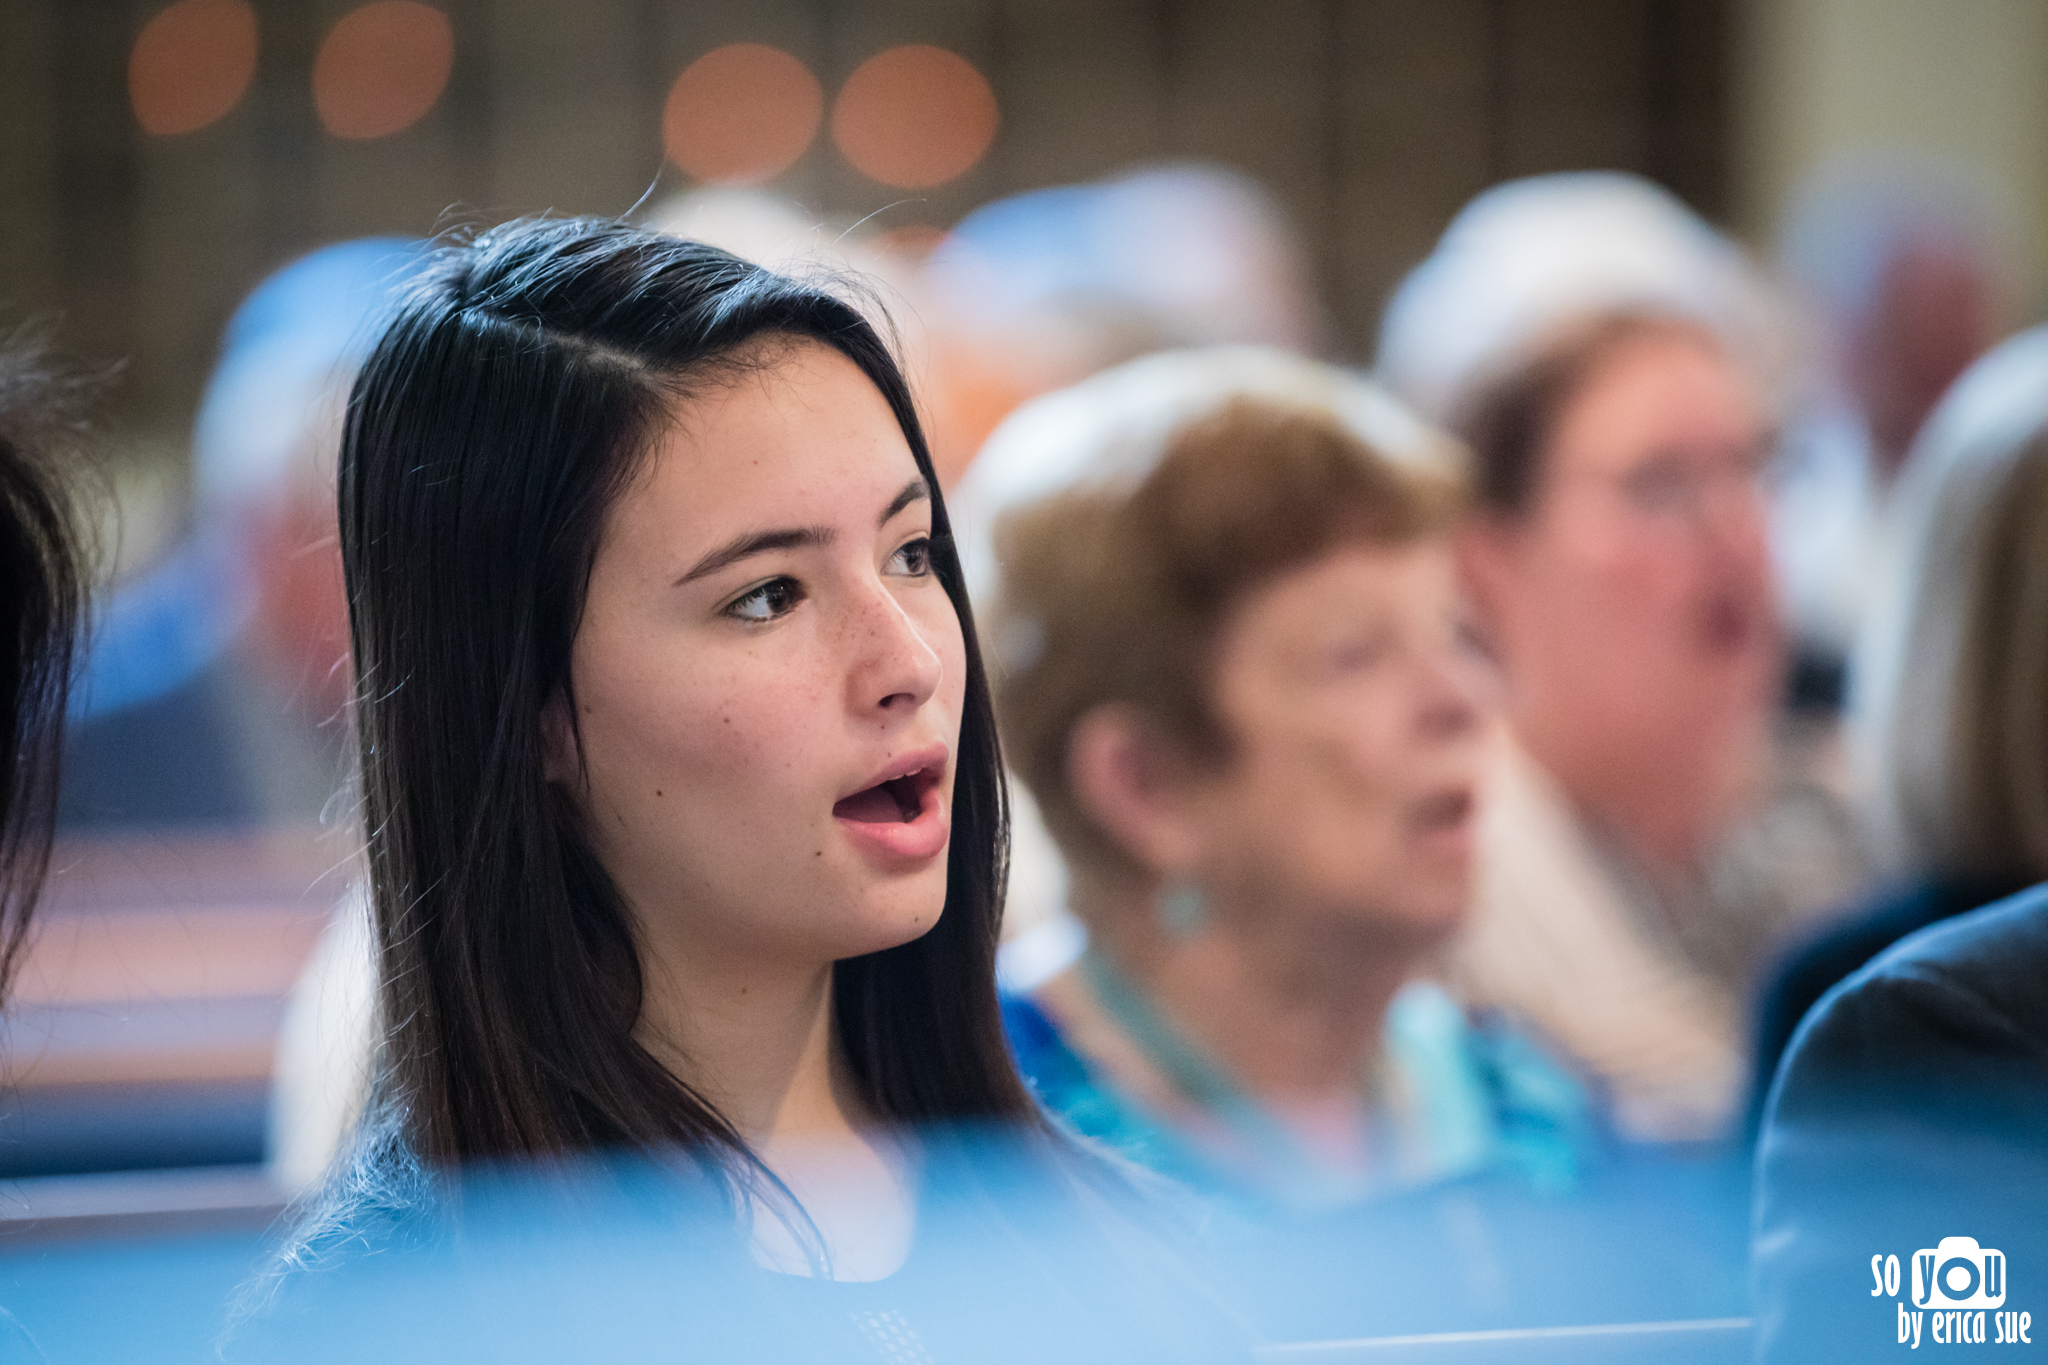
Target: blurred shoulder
1910, 1107
1999, 951
1960, 993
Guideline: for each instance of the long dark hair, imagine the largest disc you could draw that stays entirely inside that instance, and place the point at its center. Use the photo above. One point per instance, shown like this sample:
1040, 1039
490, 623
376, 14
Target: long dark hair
43, 575
518, 388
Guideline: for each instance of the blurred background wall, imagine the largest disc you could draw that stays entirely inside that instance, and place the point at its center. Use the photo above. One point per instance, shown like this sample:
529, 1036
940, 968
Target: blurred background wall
1963, 81
1370, 120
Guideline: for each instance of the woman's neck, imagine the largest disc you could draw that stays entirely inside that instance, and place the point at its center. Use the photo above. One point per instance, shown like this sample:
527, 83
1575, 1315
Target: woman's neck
1286, 1010
756, 1042
1667, 797
762, 1047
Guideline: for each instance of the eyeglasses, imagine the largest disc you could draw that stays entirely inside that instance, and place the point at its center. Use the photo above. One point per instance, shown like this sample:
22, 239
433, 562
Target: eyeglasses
1681, 485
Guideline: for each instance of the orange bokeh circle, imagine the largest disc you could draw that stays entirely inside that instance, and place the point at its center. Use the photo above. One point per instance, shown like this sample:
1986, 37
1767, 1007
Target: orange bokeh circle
191, 64
914, 117
741, 114
381, 68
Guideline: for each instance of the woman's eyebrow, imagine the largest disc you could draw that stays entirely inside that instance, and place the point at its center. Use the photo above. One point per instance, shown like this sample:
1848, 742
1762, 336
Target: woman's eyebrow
802, 537
756, 543
917, 490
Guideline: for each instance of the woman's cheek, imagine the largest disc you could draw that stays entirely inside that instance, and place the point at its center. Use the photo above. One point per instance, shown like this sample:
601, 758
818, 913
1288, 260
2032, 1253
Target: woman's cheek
763, 733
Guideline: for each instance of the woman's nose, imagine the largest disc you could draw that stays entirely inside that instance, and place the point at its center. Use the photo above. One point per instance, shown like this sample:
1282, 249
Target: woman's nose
1735, 535
1454, 695
894, 666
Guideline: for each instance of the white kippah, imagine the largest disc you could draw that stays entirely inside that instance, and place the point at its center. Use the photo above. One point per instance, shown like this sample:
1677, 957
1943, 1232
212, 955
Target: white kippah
1532, 255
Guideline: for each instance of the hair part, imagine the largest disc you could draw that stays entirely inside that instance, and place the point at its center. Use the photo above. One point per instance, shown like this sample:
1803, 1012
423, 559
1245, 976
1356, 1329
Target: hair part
1122, 594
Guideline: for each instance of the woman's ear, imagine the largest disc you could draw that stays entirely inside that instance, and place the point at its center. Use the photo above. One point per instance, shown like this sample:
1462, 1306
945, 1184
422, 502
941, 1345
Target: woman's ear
558, 741
1131, 786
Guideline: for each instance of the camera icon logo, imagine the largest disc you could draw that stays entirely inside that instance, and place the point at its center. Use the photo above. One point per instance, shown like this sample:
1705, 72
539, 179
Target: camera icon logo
1958, 1274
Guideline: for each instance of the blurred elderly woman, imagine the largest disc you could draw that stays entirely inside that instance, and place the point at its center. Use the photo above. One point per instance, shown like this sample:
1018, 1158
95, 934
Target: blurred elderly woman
1950, 711
1234, 675
1598, 348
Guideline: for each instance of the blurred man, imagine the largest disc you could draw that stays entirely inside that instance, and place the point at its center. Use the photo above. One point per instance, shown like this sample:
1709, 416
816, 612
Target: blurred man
1899, 269
210, 685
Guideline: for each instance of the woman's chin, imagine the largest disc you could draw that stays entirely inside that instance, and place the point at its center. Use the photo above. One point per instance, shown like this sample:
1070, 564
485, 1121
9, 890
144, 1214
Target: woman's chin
881, 927
1434, 907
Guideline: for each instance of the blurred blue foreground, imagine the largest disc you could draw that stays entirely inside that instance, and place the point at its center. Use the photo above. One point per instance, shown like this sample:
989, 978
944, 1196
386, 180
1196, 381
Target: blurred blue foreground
612, 1265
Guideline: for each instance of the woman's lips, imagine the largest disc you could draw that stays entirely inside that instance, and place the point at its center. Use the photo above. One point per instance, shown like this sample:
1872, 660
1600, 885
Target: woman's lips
1730, 625
1444, 818
899, 817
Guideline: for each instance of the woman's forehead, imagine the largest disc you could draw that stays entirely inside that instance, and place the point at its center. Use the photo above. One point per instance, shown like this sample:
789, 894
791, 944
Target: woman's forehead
1352, 584
806, 436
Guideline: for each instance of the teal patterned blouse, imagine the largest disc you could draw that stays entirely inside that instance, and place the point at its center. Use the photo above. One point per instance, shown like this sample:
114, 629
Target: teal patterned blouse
1451, 1096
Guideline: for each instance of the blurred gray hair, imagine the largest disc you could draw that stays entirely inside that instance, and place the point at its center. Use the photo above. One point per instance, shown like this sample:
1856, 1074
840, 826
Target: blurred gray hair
1949, 701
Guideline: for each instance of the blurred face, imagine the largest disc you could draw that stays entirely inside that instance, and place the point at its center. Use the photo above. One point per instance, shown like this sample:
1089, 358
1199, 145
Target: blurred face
769, 678
1632, 603
1933, 315
1354, 707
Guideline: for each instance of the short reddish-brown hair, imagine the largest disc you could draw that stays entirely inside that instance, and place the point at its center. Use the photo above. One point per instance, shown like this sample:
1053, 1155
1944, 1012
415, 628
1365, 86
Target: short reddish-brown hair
1119, 595
1511, 415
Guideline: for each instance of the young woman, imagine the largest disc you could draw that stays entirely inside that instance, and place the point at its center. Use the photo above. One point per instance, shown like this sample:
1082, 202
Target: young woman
684, 803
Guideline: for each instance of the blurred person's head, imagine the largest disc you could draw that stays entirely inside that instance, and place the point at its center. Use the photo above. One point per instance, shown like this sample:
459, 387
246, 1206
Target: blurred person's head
1188, 254
1605, 352
666, 682
1035, 292
43, 590
1530, 257
1950, 704
1240, 682
1618, 565
753, 224
1900, 262
264, 447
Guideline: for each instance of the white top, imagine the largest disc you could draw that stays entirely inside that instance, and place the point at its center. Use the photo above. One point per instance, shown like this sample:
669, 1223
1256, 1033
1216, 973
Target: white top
1554, 941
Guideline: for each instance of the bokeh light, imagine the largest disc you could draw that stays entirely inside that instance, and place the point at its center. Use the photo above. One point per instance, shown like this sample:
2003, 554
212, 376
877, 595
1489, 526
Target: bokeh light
741, 114
381, 68
191, 64
914, 117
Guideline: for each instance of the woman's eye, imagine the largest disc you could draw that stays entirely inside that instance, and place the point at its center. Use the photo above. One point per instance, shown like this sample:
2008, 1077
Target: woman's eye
775, 598
1661, 487
1355, 656
915, 558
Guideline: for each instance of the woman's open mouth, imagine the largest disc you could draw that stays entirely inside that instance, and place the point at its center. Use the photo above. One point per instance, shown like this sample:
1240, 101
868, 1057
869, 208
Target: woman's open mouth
897, 816
1730, 626
898, 799
1445, 817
